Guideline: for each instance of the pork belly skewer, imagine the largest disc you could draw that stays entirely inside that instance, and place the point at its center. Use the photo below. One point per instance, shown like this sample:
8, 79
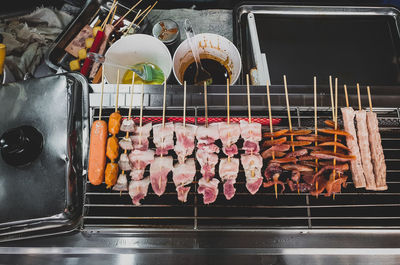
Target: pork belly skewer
185, 134
162, 165
124, 165
139, 158
206, 156
252, 160
184, 171
363, 143
357, 170
229, 167
375, 142
114, 123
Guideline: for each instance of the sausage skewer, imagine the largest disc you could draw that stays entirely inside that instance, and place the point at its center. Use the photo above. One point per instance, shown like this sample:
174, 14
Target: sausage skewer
97, 151
114, 123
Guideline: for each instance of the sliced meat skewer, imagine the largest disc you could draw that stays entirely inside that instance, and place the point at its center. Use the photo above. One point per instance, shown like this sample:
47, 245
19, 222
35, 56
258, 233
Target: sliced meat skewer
357, 170
228, 171
251, 160
375, 142
138, 190
185, 134
206, 156
363, 142
159, 170
183, 175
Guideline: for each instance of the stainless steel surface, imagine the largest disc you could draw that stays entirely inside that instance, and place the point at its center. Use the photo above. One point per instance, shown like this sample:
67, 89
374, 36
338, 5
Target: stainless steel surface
315, 40
105, 209
47, 194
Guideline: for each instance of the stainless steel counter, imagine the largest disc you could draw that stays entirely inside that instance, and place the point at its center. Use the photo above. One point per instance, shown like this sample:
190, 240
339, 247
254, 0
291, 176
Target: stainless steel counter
209, 247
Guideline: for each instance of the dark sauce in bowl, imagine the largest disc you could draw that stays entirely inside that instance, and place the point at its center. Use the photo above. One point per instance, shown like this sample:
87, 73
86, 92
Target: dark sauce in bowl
218, 71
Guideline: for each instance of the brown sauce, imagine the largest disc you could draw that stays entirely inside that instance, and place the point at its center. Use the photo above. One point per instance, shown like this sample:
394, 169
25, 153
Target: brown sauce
218, 71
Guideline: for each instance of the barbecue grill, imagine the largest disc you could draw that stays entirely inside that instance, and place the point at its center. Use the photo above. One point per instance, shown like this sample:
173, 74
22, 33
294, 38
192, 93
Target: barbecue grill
355, 227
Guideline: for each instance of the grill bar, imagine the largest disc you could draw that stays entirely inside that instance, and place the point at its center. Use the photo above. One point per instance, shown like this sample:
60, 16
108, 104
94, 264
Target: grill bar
351, 209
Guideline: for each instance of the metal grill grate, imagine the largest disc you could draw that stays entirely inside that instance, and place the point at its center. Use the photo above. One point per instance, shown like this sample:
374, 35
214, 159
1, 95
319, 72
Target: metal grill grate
351, 209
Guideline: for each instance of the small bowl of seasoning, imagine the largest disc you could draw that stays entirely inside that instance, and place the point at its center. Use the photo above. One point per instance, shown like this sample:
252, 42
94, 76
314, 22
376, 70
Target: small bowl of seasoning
167, 31
218, 55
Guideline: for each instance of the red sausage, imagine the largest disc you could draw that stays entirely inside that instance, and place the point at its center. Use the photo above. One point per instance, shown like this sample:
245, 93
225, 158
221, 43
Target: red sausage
97, 152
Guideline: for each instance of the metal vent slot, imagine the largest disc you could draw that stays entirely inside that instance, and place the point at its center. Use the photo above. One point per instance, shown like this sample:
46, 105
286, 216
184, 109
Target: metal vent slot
350, 209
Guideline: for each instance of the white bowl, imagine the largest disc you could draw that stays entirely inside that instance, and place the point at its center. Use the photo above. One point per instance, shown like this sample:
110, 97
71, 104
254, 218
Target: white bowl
134, 49
208, 44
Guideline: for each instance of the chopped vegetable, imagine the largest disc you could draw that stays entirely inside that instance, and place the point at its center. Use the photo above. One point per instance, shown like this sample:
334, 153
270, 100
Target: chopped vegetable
89, 42
82, 54
74, 65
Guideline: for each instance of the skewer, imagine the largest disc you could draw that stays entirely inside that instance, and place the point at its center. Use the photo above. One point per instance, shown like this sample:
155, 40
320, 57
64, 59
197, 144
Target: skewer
164, 101
227, 108
130, 10
316, 126
249, 110
117, 95
147, 13
113, 15
359, 97
138, 14
336, 124
271, 131
184, 104
290, 121
101, 96
205, 104
141, 114
369, 98
346, 96
288, 109
248, 96
129, 117
108, 15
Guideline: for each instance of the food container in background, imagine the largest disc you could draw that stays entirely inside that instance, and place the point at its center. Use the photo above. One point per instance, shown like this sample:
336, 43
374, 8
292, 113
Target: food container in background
134, 49
211, 46
167, 31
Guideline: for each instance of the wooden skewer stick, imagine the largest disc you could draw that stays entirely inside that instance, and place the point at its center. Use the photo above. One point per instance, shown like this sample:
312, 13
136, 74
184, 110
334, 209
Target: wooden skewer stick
227, 109
129, 117
130, 10
359, 97
117, 95
205, 104
332, 102
141, 114
248, 96
369, 98
113, 15
163, 117
288, 109
290, 121
271, 129
108, 15
133, 22
101, 95
316, 127
184, 104
147, 13
336, 121
346, 96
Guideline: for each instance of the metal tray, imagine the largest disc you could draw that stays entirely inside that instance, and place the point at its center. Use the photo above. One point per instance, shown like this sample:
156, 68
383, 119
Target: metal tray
56, 57
357, 44
46, 195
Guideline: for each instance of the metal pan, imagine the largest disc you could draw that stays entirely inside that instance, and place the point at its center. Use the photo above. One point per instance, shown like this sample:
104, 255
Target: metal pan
356, 44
